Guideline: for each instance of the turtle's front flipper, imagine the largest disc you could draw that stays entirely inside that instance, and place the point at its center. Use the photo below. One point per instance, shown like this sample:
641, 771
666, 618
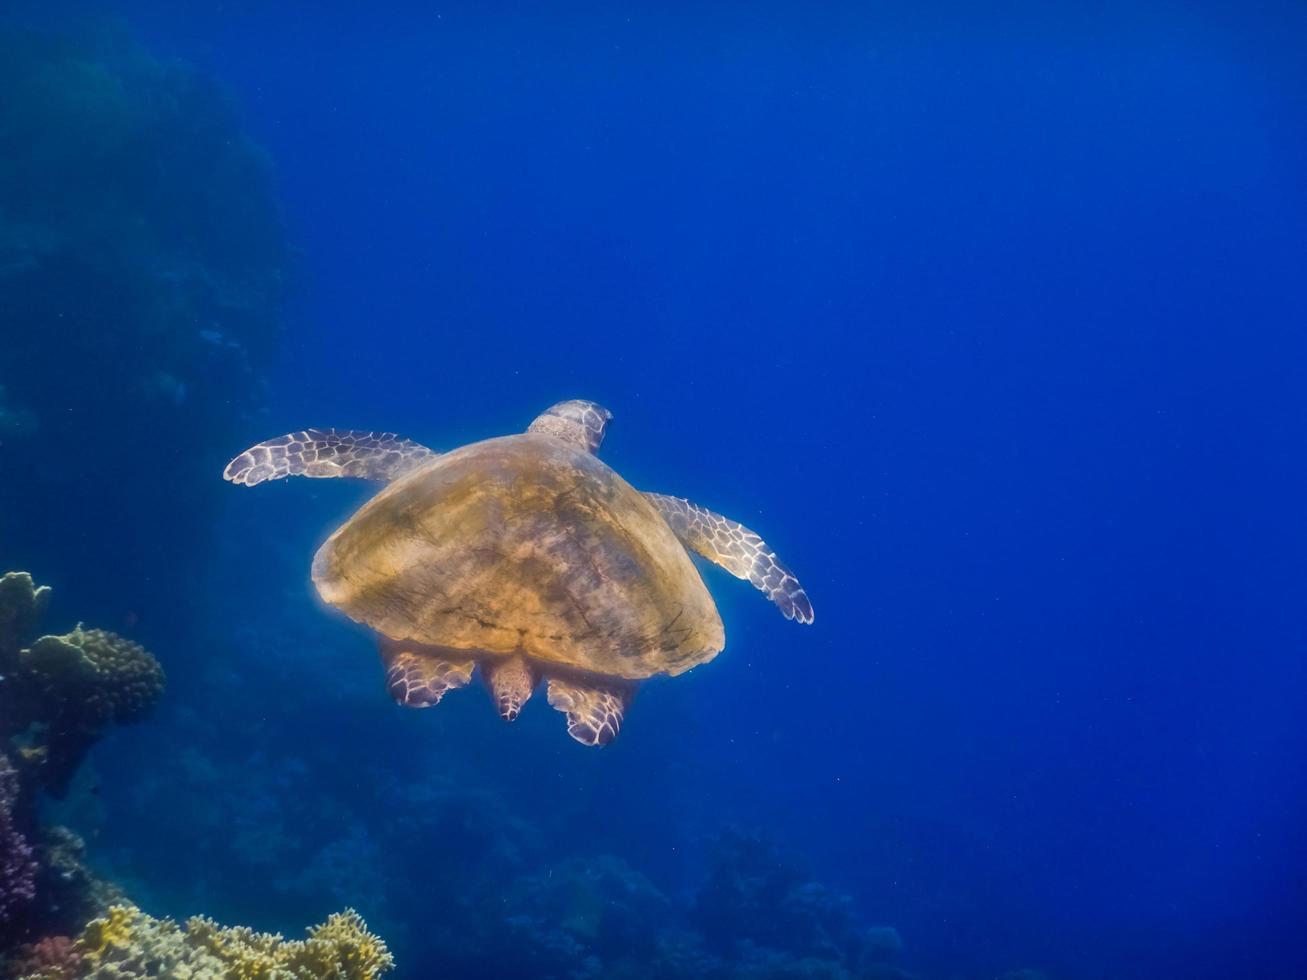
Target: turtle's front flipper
594, 714
328, 452
738, 550
418, 677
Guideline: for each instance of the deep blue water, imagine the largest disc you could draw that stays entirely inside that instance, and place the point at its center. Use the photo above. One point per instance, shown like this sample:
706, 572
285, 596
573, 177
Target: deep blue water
990, 321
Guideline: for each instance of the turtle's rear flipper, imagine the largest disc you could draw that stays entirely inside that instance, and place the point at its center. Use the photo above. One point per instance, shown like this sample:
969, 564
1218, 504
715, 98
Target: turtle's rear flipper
328, 453
735, 548
594, 714
419, 679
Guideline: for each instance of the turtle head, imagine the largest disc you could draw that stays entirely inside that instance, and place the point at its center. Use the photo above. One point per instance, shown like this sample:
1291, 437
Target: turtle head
578, 422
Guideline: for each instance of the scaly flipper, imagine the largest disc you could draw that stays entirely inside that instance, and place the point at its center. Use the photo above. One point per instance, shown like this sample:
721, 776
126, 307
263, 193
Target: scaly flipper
594, 714
738, 550
419, 679
326, 453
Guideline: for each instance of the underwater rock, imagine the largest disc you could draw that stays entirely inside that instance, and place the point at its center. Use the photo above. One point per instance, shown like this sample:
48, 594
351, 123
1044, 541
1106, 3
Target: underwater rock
127, 944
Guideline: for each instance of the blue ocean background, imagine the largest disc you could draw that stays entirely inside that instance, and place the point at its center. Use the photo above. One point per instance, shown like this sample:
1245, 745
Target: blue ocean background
990, 319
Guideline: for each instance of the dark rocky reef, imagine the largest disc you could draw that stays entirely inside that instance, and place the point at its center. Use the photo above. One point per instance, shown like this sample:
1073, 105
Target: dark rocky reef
758, 903
59, 920
57, 696
755, 916
141, 273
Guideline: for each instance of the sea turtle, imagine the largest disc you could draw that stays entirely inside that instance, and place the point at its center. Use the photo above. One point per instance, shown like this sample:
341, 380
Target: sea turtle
525, 556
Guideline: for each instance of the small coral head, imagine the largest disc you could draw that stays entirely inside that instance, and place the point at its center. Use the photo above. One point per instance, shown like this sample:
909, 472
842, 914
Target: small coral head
577, 421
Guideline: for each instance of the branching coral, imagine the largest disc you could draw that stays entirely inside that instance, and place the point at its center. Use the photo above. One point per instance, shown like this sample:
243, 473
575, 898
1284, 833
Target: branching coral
127, 944
17, 867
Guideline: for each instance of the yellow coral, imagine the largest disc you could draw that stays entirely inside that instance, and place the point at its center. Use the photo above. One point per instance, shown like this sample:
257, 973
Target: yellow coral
344, 942
103, 935
127, 943
246, 954
341, 948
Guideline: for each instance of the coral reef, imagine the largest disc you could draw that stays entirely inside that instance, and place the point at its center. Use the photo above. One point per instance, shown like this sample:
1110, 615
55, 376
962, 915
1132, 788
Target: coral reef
59, 693
17, 865
69, 687
93, 677
462, 879
68, 892
597, 917
600, 900
81, 682
56, 698
757, 906
22, 606
582, 917
126, 944
220, 818
51, 958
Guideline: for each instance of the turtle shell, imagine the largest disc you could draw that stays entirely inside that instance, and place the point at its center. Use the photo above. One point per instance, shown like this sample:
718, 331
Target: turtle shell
523, 544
